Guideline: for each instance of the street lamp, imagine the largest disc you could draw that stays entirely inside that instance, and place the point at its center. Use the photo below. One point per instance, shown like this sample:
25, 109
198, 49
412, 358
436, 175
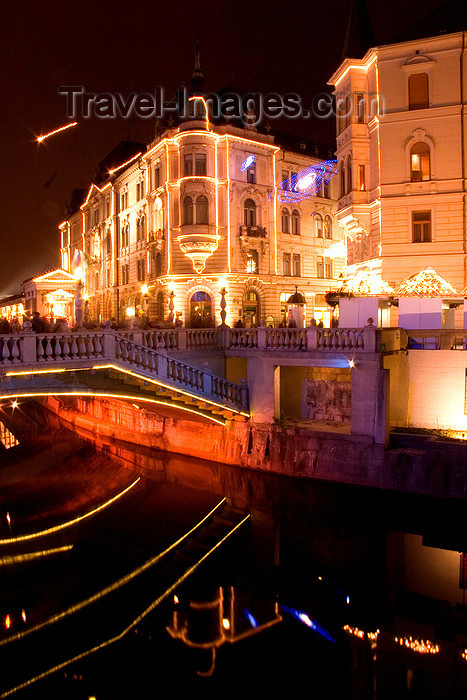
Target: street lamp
78, 274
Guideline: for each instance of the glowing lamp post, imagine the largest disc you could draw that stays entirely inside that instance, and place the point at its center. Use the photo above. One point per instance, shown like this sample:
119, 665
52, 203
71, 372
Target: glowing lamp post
78, 273
223, 304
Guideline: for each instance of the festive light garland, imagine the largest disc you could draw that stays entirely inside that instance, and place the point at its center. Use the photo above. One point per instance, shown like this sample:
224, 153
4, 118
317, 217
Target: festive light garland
306, 183
420, 646
247, 162
427, 283
366, 283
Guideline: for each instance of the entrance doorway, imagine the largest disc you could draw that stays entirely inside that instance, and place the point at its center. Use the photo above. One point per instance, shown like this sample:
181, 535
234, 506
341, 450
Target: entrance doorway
201, 311
251, 311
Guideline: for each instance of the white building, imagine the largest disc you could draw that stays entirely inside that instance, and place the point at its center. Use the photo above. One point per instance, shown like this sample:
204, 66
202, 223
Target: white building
401, 149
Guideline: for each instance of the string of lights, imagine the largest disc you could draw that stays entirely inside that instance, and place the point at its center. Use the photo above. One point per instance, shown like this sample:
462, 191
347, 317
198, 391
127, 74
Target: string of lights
306, 183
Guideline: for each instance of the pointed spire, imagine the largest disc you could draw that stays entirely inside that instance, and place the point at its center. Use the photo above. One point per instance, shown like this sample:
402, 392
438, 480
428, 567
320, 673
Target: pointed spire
359, 34
197, 78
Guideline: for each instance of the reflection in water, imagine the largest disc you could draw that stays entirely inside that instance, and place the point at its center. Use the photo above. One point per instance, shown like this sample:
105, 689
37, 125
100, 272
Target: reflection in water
350, 592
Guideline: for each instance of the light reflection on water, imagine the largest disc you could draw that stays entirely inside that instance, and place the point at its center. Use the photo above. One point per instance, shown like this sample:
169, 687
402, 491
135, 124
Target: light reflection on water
331, 588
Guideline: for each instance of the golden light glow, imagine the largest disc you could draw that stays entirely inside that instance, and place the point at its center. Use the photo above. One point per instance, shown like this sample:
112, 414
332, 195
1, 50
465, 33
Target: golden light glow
132, 624
226, 623
130, 311
56, 528
78, 274
365, 283
122, 165
144, 289
426, 283
420, 646
166, 386
29, 556
40, 139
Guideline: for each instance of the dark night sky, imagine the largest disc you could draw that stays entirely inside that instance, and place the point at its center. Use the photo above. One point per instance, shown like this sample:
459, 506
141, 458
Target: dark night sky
118, 47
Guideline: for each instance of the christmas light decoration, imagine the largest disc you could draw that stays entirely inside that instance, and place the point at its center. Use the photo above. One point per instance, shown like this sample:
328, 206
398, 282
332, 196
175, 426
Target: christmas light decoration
119, 167
419, 646
426, 283
247, 162
306, 183
40, 139
366, 283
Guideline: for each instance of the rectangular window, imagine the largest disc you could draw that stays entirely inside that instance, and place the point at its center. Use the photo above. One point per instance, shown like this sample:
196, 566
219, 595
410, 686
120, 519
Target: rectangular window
285, 180
320, 267
157, 176
418, 91
328, 268
251, 173
286, 262
360, 108
421, 226
293, 180
296, 265
361, 177
125, 274
200, 164
141, 269
188, 166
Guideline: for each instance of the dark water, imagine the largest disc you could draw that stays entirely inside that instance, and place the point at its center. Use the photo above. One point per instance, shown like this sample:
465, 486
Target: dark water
325, 590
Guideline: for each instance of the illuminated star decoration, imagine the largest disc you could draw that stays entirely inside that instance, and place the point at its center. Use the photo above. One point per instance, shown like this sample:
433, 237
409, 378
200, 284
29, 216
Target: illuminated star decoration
305, 184
247, 162
42, 138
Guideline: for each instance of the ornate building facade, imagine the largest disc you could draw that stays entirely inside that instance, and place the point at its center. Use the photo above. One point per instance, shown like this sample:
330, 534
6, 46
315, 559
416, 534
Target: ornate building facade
207, 208
401, 150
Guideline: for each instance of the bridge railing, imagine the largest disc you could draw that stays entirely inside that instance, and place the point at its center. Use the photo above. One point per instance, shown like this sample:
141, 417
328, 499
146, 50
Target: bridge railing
176, 338
299, 339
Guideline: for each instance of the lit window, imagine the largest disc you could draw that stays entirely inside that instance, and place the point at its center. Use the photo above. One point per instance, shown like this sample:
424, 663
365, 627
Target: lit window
418, 91
361, 177
420, 162
249, 213
252, 262
285, 220
421, 226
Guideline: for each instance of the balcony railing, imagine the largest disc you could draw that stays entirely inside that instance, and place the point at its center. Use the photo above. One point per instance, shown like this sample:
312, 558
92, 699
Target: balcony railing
253, 231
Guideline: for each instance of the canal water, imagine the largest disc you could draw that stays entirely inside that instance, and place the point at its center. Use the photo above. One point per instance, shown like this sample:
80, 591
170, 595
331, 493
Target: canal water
127, 572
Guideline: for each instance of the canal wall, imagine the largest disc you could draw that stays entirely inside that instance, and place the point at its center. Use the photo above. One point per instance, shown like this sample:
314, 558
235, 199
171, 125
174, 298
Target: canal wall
428, 465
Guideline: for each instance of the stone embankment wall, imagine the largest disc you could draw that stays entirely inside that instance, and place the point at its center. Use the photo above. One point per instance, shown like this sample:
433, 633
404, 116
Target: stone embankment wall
431, 467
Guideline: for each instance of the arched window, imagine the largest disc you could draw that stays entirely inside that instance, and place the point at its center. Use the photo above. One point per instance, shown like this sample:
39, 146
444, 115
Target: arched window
285, 220
349, 175
418, 91
295, 222
187, 211
342, 178
420, 162
202, 210
327, 226
201, 310
249, 211
319, 225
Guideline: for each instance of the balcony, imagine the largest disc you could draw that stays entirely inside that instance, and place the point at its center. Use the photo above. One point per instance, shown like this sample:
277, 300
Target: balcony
253, 231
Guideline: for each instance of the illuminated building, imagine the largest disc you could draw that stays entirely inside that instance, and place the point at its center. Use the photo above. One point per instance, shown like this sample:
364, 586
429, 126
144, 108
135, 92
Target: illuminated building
51, 294
401, 158
168, 225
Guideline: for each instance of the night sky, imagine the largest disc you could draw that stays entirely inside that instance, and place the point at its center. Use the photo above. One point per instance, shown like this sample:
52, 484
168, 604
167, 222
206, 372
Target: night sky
124, 47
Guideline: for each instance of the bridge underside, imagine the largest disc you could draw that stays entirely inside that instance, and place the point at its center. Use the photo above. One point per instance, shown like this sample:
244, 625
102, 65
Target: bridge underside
111, 381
